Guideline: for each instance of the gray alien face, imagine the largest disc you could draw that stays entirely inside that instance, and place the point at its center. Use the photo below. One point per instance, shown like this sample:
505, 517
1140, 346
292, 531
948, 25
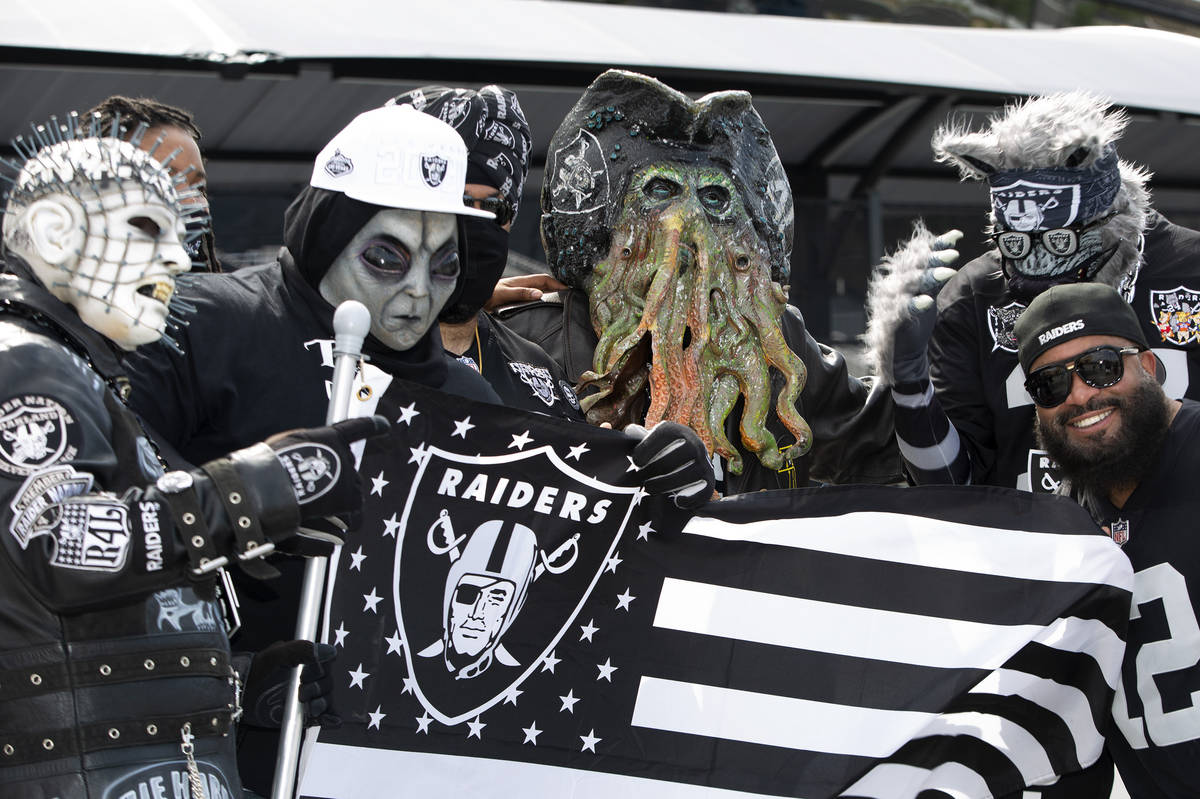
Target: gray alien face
402, 265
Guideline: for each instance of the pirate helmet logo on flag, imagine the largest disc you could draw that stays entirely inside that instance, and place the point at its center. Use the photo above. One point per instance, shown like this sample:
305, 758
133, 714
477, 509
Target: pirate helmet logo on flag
488, 578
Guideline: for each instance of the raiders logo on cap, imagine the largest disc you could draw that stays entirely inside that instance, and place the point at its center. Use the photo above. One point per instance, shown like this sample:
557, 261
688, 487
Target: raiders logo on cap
433, 170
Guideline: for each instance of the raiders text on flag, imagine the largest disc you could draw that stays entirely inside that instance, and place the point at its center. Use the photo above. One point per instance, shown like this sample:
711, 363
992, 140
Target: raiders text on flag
515, 617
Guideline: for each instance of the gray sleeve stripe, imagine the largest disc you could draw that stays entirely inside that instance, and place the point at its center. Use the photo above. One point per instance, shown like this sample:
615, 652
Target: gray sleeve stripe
939, 456
914, 400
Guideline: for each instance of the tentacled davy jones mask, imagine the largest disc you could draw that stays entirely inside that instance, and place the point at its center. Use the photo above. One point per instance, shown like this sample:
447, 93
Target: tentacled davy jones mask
101, 225
675, 217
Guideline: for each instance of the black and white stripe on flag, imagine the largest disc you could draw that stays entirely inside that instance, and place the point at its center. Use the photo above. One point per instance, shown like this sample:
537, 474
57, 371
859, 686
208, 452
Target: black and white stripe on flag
516, 618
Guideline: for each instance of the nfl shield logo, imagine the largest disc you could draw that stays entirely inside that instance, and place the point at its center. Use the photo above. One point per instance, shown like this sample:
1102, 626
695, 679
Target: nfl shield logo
433, 170
1120, 531
488, 579
1176, 314
1000, 323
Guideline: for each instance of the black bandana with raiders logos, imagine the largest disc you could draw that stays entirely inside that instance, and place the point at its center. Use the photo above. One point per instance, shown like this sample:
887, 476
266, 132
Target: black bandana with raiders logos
492, 126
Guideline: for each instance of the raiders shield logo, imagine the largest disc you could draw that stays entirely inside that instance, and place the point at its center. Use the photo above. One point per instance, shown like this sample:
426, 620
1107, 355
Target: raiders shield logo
33, 434
489, 578
1025, 205
312, 468
582, 176
1176, 313
1044, 474
1000, 324
433, 170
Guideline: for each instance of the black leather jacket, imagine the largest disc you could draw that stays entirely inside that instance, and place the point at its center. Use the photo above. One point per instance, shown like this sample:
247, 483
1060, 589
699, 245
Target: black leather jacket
851, 418
110, 654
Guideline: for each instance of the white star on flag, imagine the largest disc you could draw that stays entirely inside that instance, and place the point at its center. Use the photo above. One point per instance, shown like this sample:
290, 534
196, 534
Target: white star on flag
606, 670
357, 557
639, 495
588, 630
510, 698
419, 454
409, 686
340, 634
476, 728
461, 427
632, 467
423, 723
623, 600
394, 643
531, 733
390, 526
377, 484
589, 741
612, 563
549, 662
357, 676
577, 451
568, 702
520, 441
376, 717
372, 599
407, 414
644, 531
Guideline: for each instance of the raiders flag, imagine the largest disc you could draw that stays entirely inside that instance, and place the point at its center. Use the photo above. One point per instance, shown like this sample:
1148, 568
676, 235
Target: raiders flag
516, 617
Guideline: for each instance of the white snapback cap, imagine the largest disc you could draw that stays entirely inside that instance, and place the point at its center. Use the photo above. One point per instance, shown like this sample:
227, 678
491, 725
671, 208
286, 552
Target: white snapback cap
397, 157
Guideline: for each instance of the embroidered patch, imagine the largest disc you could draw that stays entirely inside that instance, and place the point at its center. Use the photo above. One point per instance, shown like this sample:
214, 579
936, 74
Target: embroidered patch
1000, 324
1120, 531
34, 434
1176, 314
568, 394
339, 165
538, 379
38, 494
312, 468
582, 185
433, 170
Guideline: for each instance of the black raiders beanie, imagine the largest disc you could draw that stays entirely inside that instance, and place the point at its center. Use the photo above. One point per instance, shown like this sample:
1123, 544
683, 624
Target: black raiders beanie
1072, 310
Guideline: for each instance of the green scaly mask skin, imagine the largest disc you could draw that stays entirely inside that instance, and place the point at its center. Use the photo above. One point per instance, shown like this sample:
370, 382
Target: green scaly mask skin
685, 307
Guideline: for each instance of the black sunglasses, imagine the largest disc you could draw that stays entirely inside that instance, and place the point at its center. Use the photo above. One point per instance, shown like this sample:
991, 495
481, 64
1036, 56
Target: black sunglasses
1060, 242
1099, 367
497, 205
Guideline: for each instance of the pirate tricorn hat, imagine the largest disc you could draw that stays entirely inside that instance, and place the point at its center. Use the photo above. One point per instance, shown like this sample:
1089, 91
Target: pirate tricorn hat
624, 121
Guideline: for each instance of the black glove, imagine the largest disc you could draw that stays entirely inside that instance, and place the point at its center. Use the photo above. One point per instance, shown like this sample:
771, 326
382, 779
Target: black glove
321, 467
265, 690
316, 538
672, 460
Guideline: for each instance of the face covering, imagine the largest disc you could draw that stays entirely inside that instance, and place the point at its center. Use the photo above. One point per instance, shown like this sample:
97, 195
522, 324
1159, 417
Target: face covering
486, 255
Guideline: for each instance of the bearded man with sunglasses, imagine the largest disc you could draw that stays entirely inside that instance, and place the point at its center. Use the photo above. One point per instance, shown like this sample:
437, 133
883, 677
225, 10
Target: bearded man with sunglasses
1065, 209
1124, 447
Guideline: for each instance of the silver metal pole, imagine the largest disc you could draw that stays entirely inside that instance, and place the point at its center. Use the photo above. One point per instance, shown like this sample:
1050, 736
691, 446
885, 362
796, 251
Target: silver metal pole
351, 323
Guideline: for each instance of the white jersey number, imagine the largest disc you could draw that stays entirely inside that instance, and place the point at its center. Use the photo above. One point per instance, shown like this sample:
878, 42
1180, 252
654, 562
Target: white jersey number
1180, 651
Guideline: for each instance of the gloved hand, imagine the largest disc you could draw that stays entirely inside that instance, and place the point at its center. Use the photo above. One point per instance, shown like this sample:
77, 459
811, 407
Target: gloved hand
672, 460
902, 305
265, 688
321, 467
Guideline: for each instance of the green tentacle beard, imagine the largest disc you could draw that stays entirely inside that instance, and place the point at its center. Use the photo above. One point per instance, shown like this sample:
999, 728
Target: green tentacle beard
689, 318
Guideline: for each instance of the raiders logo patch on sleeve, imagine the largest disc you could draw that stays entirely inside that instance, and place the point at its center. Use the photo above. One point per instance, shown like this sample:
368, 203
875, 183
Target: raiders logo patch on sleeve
34, 434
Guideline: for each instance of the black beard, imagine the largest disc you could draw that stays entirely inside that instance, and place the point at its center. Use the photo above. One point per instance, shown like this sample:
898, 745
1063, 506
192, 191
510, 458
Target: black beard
1119, 461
